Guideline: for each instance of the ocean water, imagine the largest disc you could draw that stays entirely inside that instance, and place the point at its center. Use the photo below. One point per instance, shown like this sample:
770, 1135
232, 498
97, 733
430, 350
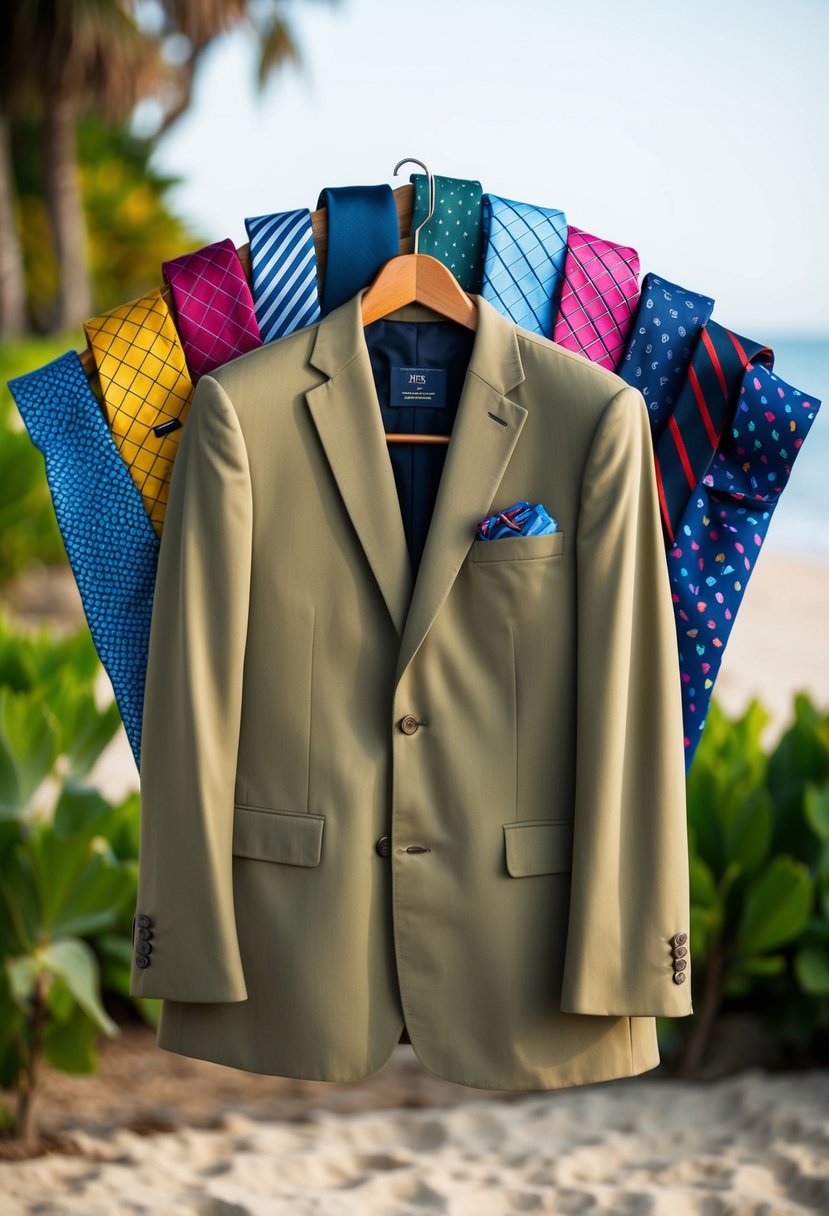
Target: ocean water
800, 524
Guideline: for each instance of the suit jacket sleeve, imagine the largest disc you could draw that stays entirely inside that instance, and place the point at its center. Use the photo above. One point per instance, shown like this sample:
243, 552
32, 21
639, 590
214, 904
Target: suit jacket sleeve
630, 882
192, 714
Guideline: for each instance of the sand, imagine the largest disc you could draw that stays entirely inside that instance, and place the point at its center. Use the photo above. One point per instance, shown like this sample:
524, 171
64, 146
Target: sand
756, 1144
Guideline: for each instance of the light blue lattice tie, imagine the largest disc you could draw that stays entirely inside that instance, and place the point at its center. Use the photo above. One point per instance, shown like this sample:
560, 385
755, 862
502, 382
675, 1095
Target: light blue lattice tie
524, 251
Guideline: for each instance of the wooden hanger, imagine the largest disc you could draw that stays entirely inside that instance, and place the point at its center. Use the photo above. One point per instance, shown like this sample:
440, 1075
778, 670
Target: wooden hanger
417, 278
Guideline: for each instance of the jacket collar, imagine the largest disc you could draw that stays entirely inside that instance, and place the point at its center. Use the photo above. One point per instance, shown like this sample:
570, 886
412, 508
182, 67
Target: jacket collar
346, 412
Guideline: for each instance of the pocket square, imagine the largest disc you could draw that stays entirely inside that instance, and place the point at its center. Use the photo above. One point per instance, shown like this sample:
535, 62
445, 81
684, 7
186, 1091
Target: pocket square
518, 520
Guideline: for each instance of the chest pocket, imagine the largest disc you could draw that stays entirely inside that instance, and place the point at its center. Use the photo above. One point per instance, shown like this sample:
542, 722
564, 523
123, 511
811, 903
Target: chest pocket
518, 548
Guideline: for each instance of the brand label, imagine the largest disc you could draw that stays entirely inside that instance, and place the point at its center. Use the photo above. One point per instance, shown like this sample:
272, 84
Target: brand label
418, 386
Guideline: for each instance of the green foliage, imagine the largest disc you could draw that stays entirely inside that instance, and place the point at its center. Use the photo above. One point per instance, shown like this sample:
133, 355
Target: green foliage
758, 826
28, 527
130, 227
68, 861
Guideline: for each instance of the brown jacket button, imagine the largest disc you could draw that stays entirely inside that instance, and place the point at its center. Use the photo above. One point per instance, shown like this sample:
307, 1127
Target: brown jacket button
383, 846
143, 948
679, 939
142, 961
679, 977
144, 921
409, 724
680, 964
680, 951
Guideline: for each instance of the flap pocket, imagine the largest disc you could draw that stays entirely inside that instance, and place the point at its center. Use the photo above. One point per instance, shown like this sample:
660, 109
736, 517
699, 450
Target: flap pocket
538, 846
288, 836
512, 548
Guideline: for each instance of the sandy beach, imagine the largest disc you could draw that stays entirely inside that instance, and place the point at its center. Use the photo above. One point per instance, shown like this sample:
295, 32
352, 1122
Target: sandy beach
754, 1143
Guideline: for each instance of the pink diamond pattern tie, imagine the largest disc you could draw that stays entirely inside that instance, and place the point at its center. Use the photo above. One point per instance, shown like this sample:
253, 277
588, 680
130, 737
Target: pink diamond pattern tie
214, 306
599, 295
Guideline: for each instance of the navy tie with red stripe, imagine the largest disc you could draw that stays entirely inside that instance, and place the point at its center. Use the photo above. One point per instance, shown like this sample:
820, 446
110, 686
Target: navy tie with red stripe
705, 405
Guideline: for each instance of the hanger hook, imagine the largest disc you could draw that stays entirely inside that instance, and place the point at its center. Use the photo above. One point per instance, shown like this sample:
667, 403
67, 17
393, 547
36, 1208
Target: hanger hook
410, 160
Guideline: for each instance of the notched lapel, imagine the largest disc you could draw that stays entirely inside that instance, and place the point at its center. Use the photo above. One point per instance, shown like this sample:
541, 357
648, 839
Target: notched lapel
350, 428
346, 413
486, 429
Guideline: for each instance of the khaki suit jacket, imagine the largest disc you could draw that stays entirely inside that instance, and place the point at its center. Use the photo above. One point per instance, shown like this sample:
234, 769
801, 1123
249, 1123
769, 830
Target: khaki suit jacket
510, 720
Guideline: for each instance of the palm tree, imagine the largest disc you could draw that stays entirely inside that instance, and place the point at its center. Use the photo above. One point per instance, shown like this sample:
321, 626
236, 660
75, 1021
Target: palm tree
66, 57
70, 57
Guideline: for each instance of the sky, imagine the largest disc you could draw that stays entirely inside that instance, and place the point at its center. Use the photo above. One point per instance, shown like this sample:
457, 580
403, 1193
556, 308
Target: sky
697, 133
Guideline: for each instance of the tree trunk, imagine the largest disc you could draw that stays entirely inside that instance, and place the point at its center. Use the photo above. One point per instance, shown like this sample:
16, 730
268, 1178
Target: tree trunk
13, 313
25, 1122
65, 202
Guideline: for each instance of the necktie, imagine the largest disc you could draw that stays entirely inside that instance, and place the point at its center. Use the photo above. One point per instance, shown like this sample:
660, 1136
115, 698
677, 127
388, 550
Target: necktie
283, 264
454, 234
524, 251
363, 233
214, 308
723, 528
684, 449
147, 391
598, 298
109, 539
661, 342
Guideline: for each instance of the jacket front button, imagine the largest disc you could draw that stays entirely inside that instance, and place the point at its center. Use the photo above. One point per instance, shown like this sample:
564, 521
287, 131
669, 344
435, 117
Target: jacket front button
409, 724
383, 846
679, 977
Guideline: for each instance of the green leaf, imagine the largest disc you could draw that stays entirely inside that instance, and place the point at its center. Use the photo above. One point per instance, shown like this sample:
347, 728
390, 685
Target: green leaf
74, 962
704, 891
811, 966
60, 1000
816, 809
22, 972
70, 1045
28, 748
776, 907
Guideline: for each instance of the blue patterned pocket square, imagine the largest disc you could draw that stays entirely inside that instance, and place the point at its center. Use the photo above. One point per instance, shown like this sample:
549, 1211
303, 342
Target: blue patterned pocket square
518, 520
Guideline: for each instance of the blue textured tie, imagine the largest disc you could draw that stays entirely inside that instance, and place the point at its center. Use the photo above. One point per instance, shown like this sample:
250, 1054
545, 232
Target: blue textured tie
283, 264
723, 529
661, 343
363, 233
109, 539
524, 252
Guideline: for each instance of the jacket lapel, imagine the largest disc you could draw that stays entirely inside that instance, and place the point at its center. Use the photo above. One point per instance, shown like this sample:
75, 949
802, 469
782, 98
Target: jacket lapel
346, 413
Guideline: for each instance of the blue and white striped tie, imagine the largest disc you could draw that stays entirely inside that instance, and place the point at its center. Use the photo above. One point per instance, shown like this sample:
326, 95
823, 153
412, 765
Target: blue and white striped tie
283, 271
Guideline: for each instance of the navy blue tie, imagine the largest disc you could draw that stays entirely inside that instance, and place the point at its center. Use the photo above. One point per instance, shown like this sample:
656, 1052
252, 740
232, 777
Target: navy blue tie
660, 345
363, 233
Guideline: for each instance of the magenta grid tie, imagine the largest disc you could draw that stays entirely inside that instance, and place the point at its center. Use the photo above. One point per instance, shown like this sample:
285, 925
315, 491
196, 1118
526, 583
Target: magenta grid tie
214, 306
599, 295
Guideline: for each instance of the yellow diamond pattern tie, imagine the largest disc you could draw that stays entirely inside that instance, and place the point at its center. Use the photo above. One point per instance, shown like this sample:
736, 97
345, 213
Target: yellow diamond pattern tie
146, 388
